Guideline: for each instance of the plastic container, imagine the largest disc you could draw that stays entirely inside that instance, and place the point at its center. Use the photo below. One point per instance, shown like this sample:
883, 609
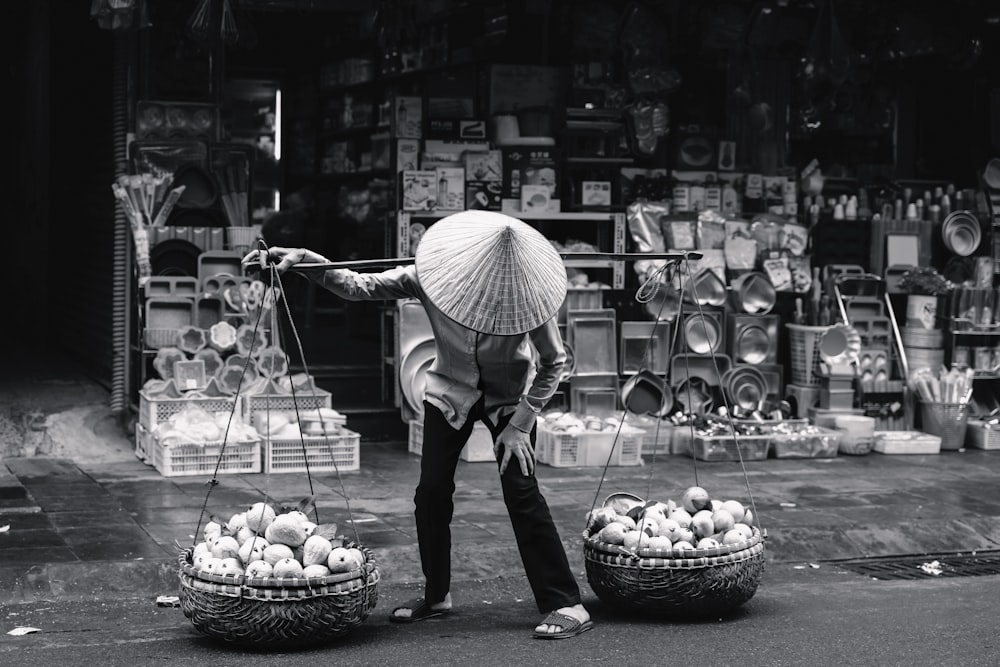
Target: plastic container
589, 449
721, 447
824, 444
339, 451
478, 448
858, 433
949, 421
804, 341
982, 435
309, 399
905, 442
204, 458
154, 410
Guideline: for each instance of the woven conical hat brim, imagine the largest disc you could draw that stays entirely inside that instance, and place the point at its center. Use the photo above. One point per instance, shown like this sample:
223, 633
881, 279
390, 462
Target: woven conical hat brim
491, 273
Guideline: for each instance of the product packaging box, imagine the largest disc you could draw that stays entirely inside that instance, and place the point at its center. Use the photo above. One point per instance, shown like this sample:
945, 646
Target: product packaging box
595, 193
456, 128
450, 188
407, 155
407, 115
483, 166
534, 166
419, 190
483, 195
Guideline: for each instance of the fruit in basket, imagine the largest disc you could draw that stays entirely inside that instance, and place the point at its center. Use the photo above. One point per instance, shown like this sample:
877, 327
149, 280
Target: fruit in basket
744, 529
735, 508
669, 529
707, 543
599, 518
357, 556
201, 548
229, 567
237, 521
648, 525
286, 529
259, 517
288, 568
226, 547
315, 570
683, 545
696, 498
702, 524
660, 543
626, 521
748, 517
316, 550
210, 564
212, 530
613, 533
275, 552
636, 539
301, 517
734, 536
722, 520
253, 550
199, 560
682, 517
259, 568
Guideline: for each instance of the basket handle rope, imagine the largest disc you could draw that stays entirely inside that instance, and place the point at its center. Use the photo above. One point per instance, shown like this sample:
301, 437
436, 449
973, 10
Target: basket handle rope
646, 292
277, 290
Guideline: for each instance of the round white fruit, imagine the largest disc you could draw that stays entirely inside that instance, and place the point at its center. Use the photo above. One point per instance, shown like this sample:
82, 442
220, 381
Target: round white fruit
735, 508
696, 498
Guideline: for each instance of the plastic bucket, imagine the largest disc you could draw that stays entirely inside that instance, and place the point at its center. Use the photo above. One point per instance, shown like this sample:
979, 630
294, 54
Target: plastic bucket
859, 433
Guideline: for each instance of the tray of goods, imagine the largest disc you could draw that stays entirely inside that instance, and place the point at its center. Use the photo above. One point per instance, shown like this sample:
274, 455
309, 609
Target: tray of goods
695, 556
906, 442
568, 440
983, 434
804, 441
717, 440
271, 577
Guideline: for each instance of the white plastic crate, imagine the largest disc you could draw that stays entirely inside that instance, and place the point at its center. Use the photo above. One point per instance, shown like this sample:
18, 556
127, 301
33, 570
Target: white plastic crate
155, 411
589, 448
339, 451
303, 400
479, 447
202, 458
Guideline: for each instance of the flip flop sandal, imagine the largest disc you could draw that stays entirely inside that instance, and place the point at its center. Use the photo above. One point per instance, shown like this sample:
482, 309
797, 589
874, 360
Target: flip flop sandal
571, 627
419, 610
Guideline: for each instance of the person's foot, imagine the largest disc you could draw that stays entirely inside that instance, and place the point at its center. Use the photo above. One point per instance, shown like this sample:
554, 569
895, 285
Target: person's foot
576, 611
406, 611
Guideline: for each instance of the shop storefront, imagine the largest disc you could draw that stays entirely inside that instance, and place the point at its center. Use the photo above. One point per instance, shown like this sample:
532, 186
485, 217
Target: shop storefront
825, 171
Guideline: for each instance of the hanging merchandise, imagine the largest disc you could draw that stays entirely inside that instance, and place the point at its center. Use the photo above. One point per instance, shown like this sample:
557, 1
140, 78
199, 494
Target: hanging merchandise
120, 14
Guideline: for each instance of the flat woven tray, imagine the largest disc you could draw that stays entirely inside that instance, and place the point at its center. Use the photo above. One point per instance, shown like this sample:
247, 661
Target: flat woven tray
701, 582
277, 612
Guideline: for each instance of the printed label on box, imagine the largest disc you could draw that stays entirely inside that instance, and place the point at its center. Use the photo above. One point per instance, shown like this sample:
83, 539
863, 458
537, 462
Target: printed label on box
419, 190
456, 128
450, 188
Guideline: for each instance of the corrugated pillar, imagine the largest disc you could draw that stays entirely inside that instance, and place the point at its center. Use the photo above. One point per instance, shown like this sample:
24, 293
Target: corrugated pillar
121, 295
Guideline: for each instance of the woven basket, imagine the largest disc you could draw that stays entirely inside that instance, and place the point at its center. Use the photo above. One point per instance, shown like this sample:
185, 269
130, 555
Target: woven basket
706, 581
276, 612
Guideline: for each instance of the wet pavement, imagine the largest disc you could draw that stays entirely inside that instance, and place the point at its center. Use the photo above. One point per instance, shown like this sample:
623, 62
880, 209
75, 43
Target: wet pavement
94, 519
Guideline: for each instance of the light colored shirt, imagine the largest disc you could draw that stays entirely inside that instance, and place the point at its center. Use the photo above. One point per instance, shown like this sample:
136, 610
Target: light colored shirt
469, 365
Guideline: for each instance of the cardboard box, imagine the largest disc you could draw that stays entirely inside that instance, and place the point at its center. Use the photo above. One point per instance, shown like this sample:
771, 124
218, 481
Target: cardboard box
419, 190
595, 193
483, 195
448, 153
407, 155
450, 188
535, 166
407, 117
483, 166
456, 128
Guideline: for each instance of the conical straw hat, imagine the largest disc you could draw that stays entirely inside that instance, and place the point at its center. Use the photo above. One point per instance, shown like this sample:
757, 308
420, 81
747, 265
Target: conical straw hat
491, 273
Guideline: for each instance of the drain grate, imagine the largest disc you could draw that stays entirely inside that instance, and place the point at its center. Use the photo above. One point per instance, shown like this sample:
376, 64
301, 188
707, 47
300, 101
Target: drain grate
927, 566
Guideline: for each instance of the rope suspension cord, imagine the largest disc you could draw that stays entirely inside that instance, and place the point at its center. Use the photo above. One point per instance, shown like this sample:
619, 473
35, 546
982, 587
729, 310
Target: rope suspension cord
725, 401
276, 277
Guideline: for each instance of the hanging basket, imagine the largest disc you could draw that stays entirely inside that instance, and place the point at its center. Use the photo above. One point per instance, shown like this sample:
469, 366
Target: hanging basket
277, 612
703, 582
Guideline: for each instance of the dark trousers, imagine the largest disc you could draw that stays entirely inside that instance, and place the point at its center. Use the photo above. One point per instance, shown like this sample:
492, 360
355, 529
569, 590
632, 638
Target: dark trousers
542, 551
